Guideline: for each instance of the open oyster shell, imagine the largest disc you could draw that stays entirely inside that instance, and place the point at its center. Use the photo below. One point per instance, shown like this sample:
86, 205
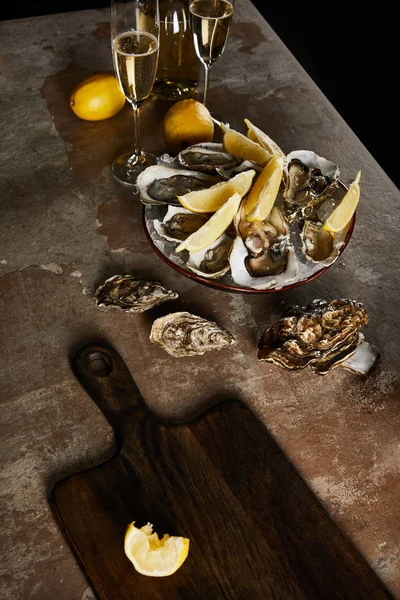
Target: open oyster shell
319, 245
207, 157
183, 334
261, 256
322, 335
179, 223
132, 294
213, 261
309, 180
161, 184
246, 165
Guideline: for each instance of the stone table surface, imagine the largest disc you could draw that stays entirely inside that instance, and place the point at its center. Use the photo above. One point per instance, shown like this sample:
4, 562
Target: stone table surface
66, 225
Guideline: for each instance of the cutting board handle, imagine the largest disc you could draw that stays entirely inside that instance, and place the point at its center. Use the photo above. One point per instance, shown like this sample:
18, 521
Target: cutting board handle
105, 377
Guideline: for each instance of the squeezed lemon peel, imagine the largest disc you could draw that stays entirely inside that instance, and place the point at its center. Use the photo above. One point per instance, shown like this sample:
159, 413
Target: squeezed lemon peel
151, 555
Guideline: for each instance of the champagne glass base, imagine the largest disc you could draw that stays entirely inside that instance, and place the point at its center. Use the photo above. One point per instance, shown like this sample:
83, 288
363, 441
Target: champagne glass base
126, 167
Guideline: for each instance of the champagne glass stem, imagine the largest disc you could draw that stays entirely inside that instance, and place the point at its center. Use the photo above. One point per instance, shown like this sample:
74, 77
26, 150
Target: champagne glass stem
135, 158
206, 83
135, 45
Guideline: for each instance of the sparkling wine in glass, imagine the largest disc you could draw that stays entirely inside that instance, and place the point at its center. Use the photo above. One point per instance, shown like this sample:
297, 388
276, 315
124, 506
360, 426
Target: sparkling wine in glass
210, 22
135, 43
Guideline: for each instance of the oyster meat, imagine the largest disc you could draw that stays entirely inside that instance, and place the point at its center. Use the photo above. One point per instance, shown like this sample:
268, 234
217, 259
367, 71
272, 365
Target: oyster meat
319, 245
289, 247
183, 334
262, 256
132, 294
207, 157
179, 223
162, 184
213, 261
246, 165
323, 335
309, 180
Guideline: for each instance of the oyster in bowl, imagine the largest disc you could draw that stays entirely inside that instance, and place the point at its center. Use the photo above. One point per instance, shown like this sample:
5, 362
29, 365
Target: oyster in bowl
289, 247
309, 181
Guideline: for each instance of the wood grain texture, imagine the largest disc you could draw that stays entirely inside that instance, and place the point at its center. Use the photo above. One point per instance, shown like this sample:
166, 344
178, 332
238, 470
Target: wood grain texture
256, 530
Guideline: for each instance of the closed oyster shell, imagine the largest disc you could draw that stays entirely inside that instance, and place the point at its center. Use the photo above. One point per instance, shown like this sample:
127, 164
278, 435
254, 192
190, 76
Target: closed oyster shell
183, 334
132, 294
322, 335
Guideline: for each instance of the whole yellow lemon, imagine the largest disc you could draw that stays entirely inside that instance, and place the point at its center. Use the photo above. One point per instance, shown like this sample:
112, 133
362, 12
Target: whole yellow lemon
97, 97
186, 123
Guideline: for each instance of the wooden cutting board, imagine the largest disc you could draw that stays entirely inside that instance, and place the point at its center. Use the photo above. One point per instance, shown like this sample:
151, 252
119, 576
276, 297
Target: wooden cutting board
256, 530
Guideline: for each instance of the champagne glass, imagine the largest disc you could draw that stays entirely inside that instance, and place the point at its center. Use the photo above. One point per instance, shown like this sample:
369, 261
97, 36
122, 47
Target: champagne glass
210, 22
135, 43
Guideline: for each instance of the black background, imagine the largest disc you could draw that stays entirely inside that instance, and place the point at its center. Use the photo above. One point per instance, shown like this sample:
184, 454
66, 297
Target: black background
351, 52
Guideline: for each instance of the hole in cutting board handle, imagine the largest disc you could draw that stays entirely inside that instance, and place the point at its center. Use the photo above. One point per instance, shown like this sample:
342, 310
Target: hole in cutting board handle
98, 364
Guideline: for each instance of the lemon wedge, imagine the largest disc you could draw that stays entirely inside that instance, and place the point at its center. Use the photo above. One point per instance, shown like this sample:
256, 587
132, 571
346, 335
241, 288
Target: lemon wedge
213, 228
211, 199
239, 145
265, 190
345, 210
257, 135
152, 556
